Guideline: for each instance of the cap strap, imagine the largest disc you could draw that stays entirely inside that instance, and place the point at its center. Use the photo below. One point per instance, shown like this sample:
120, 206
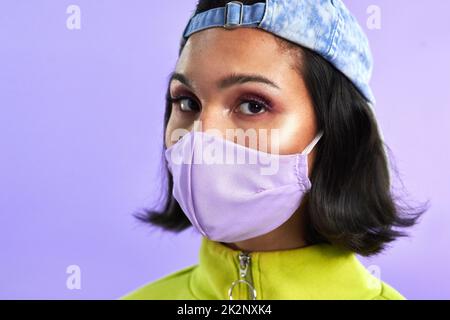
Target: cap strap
232, 15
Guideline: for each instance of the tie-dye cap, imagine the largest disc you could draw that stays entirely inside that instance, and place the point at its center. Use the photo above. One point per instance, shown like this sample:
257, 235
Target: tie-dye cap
324, 26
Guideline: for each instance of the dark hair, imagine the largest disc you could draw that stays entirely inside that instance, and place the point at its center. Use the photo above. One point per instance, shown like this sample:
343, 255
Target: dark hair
350, 203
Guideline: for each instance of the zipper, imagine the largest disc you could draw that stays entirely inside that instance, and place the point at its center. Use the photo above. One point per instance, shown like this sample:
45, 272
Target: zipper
245, 277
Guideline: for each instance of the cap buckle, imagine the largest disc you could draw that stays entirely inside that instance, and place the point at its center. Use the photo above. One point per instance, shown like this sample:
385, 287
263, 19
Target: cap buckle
228, 10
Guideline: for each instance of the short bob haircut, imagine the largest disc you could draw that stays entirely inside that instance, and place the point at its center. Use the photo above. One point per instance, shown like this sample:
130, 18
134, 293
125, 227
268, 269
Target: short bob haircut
350, 203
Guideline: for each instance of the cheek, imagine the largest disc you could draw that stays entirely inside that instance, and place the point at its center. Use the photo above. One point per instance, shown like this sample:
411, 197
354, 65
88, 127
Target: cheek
167, 135
177, 121
296, 131
172, 125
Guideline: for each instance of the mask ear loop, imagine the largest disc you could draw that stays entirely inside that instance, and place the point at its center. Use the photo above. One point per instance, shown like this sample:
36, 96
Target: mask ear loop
313, 143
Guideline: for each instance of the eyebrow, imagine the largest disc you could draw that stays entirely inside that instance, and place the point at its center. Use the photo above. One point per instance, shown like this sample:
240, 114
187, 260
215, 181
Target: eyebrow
227, 81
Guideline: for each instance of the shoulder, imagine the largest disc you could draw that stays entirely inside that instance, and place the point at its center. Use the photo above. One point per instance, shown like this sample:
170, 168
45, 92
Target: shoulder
174, 286
388, 293
353, 280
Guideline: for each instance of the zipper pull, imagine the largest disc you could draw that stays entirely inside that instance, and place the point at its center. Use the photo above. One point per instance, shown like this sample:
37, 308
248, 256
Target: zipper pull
244, 262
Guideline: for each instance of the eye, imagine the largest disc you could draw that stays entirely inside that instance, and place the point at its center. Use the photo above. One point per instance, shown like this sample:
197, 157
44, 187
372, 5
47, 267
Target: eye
249, 105
253, 106
186, 104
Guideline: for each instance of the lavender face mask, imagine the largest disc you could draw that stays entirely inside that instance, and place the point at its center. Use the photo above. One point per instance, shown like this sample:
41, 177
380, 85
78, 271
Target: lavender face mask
228, 195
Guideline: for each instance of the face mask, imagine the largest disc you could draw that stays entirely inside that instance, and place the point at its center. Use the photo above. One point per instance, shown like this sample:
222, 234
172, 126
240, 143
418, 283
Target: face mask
229, 200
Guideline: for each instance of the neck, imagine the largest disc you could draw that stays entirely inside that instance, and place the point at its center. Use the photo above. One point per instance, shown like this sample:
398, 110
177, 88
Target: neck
289, 235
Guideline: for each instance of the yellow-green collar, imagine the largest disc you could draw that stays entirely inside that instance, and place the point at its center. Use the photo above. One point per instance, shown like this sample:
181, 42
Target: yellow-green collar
319, 271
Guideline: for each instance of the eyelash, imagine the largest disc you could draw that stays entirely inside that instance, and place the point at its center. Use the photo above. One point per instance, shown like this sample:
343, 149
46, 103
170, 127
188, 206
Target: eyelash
250, 98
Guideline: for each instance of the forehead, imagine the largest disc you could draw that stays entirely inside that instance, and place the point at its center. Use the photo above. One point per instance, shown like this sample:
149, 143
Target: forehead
217, 51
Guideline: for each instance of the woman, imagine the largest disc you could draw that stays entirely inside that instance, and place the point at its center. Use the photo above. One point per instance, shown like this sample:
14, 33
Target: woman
299, 68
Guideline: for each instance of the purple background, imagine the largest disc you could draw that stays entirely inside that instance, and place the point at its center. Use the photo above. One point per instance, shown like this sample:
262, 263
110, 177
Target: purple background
81, 131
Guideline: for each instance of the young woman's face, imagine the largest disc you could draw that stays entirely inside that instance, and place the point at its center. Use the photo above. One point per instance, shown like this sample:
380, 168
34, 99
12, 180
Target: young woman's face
281, 101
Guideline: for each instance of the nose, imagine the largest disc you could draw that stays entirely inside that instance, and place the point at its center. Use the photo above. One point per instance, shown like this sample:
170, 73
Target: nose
212, 118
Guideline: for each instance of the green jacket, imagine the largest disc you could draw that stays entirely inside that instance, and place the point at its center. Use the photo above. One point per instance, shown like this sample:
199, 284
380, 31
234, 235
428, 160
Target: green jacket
319, 271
